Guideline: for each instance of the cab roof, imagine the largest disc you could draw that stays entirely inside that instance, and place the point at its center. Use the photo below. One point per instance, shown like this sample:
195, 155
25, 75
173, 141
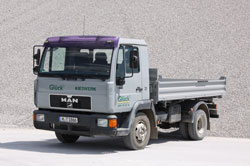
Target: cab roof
90, 41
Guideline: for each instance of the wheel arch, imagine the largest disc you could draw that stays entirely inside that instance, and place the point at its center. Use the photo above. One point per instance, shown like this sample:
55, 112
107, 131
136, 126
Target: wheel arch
152, 119
146, 107
191, 107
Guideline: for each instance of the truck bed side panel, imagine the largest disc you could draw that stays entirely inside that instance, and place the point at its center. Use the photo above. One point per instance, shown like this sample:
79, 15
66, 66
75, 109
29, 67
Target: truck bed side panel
174, 89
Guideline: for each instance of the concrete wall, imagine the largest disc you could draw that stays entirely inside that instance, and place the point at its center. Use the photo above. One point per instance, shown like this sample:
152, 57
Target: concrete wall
186, 39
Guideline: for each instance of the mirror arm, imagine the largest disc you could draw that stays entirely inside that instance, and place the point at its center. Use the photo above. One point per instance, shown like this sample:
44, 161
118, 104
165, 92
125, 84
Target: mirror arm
36, 70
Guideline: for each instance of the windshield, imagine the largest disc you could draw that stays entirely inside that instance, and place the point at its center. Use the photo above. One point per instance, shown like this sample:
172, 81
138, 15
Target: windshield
82, 62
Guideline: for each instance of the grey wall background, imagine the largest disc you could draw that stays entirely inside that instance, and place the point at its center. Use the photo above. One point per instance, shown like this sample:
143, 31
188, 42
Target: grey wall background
186, 39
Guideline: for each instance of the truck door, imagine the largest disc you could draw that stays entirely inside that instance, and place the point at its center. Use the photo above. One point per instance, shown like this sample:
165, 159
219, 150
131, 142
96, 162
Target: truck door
128, 79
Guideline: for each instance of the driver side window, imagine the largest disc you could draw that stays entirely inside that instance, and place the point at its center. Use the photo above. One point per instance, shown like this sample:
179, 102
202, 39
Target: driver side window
123, 62
128, 50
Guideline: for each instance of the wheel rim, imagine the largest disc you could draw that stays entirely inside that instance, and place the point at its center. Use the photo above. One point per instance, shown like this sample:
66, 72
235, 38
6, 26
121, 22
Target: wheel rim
201, 125
141, 131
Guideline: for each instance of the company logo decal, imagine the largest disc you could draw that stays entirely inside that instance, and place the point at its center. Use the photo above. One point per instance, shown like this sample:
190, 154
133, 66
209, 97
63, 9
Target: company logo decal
55, 87
123, 101
82, 88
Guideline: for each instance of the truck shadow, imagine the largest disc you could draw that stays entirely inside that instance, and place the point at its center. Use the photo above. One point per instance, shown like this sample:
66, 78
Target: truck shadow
164, 137
85, 145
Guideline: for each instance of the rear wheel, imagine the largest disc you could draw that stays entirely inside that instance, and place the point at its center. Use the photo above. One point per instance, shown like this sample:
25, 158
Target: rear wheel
139, 134
66, 138
198, 129
184, 130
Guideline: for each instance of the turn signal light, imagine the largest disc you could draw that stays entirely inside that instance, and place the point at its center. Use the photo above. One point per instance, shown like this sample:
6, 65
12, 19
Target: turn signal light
112, 123
33, 116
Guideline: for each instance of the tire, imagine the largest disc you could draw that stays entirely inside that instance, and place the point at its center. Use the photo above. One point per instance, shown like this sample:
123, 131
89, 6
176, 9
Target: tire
139, 134
184, 130
66, 138
198, 129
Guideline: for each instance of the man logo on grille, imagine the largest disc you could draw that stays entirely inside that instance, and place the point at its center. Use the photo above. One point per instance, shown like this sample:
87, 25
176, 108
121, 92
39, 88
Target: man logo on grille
69, 105
69, 100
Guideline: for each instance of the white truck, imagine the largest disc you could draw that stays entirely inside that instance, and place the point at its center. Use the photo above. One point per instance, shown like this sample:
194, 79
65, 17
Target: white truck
102, 85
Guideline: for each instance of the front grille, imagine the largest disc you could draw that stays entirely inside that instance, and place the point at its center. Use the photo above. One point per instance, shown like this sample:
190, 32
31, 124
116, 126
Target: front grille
72, 128
70, 102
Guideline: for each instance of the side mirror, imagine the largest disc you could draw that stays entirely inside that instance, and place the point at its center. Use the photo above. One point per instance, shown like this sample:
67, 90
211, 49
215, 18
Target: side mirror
134, 59
36, 56
36, 70
120, 81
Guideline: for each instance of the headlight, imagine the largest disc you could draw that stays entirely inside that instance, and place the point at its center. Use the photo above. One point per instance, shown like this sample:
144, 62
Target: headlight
40, 117
102, 122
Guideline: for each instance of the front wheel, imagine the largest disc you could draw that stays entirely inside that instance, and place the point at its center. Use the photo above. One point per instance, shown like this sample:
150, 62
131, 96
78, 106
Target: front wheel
198, 129
66, 138
139, 134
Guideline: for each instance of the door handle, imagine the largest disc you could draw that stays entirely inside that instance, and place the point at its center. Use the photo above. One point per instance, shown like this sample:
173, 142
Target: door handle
139, 89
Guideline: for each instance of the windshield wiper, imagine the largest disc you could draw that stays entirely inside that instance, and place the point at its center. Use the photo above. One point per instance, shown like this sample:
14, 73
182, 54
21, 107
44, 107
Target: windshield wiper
83, 77
74, 76
101, 77
50, 75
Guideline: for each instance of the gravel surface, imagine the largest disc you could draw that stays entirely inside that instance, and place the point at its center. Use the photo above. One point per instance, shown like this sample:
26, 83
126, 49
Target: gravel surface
34, 147
186, 39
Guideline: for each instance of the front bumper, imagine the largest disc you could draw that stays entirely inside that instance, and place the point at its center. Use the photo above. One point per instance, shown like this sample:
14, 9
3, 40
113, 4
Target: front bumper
86, 126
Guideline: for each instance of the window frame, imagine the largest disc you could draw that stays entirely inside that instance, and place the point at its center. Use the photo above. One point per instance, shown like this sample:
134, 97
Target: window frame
51, 74
129, 61
124, 59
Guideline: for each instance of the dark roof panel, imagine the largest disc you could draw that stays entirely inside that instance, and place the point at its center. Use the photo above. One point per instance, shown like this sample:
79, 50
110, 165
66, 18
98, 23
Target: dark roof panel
83, 41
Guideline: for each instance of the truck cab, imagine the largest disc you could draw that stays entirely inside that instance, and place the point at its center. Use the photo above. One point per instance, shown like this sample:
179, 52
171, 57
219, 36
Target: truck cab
94, 71
84, 83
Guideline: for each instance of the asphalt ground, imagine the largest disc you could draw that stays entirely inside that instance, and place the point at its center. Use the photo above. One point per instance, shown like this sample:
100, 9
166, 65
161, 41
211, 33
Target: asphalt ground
36, 147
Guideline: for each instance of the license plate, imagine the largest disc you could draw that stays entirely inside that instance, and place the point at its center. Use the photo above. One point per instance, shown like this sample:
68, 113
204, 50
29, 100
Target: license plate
68, 119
